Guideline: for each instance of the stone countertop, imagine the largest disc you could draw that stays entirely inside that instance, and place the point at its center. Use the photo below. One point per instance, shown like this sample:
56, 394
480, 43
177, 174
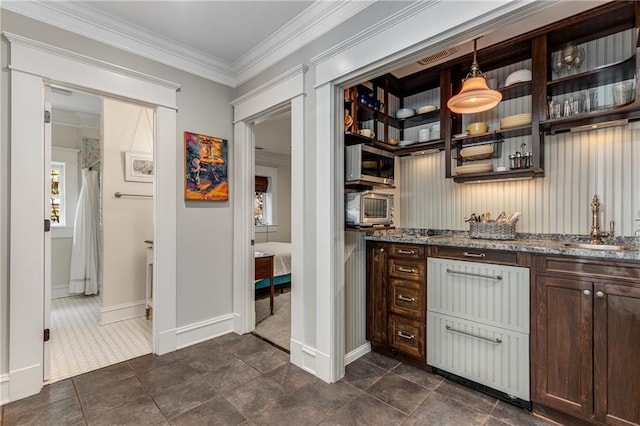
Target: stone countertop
540, 245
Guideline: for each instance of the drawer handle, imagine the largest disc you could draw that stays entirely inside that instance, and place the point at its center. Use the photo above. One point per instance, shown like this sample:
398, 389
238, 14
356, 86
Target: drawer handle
406, 299
406, 336
471, 274
455, 330
467, 254
403, 269
402, 251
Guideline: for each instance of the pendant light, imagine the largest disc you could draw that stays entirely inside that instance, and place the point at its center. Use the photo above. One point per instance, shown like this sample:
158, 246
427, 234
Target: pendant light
475, 95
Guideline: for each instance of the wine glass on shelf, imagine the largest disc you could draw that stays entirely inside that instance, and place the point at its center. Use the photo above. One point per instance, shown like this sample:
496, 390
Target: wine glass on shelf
557, 63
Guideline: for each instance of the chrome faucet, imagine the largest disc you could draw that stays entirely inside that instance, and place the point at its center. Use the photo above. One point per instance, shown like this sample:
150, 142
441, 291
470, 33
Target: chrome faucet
597, 235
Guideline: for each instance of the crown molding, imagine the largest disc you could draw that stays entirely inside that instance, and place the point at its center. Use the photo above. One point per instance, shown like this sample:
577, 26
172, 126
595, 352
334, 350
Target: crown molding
68, 118
83, 19
313, 22
287, 75
389, 22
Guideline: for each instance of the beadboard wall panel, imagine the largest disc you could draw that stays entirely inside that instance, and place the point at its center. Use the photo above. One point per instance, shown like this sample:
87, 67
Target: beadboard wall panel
577, 166
355, 290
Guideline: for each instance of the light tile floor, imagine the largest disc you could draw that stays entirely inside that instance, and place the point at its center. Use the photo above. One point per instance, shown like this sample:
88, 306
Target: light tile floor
235, 380
80, 344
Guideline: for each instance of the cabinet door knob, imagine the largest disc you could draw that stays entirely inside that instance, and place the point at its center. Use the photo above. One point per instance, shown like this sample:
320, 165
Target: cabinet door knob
600, 294
381, 250
587, 292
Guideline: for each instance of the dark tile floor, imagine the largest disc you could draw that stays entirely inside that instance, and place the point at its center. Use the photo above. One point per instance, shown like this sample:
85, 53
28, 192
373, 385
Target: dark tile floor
243, 380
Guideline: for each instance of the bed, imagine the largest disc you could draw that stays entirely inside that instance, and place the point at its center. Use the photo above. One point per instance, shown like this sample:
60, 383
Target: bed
281, 262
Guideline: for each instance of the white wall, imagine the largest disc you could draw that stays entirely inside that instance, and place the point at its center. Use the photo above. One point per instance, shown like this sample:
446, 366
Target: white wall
204, 285
126, 221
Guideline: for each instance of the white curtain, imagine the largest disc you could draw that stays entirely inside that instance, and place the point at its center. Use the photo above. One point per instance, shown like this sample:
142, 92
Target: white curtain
86, 243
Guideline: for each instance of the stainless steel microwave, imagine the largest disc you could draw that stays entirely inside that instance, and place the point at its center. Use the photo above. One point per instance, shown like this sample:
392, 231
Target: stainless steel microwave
368, 208
368, 164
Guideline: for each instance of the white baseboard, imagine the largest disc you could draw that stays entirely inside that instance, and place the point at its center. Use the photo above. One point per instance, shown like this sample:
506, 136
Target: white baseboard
4, 389
122, 312
303, 356
24, 382
166, 342
204, 330
357, 353
60, 291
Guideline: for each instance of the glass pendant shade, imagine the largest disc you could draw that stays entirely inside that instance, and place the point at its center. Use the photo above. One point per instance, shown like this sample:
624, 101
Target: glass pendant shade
475, 95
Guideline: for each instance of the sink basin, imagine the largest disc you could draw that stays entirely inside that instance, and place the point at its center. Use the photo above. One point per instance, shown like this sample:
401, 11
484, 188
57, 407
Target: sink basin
599, 247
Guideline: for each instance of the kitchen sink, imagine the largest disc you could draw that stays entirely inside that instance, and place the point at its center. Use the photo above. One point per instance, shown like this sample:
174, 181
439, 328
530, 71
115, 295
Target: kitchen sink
599, 247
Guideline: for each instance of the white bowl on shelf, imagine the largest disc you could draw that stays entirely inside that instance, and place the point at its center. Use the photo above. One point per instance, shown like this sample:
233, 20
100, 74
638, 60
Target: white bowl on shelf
426, 108
518, 77
405, 112
515, 120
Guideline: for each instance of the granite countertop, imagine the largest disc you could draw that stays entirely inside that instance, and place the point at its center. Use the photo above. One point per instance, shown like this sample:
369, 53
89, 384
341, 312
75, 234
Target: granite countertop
532, 243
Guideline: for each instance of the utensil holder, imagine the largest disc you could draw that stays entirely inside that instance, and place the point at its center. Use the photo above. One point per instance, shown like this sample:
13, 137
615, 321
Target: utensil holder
492, 231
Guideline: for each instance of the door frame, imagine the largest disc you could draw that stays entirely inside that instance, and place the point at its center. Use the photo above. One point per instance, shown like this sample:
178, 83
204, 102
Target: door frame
29, 59
285, 90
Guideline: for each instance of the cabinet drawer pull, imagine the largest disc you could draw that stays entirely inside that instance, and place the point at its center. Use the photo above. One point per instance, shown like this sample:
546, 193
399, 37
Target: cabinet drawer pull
600, 294
406, 299
402, 251
406, 336
587, 292
403, 269
471, 274
467, 254
496, 340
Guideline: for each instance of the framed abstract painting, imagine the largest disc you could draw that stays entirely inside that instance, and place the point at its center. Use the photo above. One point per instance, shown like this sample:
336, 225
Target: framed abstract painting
206, 168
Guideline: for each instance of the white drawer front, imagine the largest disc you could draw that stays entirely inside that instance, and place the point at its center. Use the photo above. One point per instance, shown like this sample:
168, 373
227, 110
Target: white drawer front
492, 294
503, 366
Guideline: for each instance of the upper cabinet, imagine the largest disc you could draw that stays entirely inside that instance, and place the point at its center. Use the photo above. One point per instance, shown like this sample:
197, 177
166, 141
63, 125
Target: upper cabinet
591, 69
574, 75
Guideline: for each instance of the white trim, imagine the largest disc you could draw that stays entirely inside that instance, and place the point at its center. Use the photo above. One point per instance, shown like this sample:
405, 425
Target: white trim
279, 83
32, 56
25, 381
60, 290
4, 389
358, 352
303, 356
380, 45
318, 19
122, 312
80, 18
266, 229
204, 330
272, 158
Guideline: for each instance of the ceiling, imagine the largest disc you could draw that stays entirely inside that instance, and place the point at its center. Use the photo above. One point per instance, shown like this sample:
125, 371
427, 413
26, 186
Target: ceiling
225, 41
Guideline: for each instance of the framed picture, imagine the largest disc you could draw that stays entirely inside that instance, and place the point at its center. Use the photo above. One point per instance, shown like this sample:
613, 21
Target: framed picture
138, 167
206, 168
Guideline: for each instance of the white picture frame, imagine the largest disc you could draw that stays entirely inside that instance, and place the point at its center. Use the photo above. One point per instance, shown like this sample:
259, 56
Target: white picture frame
138, 166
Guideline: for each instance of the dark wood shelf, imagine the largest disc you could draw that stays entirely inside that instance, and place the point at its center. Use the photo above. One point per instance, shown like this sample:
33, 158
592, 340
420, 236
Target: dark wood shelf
415, 120
508, 174
493, 136
620, 71
420, 146
516, 90
558, 125
364, 185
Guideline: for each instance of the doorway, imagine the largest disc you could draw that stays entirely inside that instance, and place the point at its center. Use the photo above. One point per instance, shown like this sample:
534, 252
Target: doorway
26, 261
272, 225
99, 243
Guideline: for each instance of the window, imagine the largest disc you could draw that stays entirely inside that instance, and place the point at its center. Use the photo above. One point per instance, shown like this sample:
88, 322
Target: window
58, 208
265, 201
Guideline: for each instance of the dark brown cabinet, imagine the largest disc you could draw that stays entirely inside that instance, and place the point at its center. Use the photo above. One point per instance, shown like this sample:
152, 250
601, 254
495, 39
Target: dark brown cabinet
587, 339
396, 300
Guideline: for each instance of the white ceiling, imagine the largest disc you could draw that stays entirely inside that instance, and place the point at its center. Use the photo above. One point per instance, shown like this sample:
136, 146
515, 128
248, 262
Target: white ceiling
225, 41
226, 30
